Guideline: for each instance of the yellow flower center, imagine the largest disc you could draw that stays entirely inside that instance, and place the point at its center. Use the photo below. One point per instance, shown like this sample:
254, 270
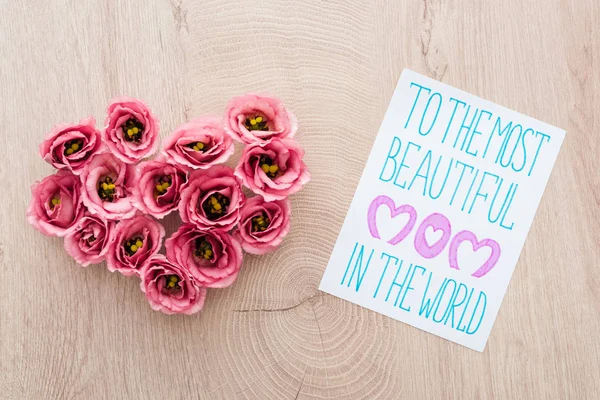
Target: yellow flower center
203, 249
162, 184
73, 146
257, 123
260, 223
268, 166
198, 146
132, 130
54, 201
106, 189
132, 245
172, 282
215, 206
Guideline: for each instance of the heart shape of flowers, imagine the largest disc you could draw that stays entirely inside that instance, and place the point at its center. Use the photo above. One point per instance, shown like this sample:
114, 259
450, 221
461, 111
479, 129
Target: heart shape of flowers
106, 197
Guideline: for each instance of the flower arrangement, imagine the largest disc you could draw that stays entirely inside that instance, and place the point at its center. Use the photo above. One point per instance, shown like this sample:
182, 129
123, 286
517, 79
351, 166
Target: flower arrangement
107, 197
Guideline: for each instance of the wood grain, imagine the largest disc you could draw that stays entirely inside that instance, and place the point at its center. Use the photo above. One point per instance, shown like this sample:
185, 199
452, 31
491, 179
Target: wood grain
68, 332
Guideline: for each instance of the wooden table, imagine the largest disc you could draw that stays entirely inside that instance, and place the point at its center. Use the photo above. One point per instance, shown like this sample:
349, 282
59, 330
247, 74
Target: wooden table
69, 332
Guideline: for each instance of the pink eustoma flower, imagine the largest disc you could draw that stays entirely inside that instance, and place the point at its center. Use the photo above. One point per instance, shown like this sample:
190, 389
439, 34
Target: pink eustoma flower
107, 187
158, 187
55, 204
213, 257
263, 225
133, 242
88, 241
70, 146
212, 199
273, 169
170, 288
131, 131
199, 144
255, 118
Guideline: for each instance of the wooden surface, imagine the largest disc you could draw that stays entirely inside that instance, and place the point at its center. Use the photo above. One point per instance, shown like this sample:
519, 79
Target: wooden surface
68, 332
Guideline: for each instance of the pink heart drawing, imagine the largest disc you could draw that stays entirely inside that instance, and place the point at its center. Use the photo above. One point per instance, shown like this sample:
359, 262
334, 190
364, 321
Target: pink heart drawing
394, 211
470, 237
438, 222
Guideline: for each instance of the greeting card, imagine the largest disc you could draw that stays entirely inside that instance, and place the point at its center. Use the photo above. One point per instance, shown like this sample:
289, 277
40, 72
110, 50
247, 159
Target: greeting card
442, 210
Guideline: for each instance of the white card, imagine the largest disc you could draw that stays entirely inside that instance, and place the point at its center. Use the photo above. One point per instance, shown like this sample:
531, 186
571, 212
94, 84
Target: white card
442, 210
